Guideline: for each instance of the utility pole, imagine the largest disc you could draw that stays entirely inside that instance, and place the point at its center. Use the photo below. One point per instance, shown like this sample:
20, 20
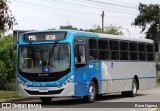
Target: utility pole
102, 15
159, 33
158, 38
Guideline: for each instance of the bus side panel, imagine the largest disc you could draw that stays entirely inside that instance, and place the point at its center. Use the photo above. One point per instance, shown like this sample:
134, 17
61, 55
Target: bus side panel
94, 71
120, 75
146, 83
83, 77
80, 88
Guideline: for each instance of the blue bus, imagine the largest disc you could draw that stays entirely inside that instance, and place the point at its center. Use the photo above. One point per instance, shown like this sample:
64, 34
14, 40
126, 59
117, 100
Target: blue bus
69, 63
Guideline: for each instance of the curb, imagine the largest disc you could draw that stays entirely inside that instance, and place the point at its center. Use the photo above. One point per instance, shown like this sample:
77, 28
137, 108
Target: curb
17, 99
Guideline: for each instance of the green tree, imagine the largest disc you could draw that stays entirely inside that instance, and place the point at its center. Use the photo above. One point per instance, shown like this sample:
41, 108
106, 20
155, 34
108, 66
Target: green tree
111, 29
7, 65
148, 20
68, 27
7, 20
95, 29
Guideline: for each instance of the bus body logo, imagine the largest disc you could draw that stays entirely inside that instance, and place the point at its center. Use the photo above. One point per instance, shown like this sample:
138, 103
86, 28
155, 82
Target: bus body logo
97, 66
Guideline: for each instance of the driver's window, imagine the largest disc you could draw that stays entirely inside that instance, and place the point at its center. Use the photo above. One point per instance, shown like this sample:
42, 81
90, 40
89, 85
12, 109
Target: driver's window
80, 54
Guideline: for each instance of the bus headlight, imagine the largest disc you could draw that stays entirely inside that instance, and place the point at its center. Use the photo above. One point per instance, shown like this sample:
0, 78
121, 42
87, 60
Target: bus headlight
67, 81
21, 82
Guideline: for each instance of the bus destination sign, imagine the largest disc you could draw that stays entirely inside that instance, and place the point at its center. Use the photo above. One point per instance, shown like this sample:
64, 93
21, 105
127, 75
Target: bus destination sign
42, 36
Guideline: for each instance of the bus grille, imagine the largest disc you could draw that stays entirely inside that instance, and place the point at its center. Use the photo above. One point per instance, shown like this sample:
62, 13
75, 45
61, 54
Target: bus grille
44, 93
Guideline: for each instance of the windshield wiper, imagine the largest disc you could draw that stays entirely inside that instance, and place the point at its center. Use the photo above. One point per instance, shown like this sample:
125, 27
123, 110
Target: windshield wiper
52, 51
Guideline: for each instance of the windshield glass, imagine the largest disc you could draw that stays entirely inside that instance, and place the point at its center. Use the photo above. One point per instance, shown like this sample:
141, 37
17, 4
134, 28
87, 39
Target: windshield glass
44, 58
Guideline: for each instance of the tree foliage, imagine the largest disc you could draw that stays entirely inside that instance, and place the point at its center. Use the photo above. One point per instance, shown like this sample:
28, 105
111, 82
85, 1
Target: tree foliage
148, 20
96, 29
107, 30
113, 30
7, 20
68, 27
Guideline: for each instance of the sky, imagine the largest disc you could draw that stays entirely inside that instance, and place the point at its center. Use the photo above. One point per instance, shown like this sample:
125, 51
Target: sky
47, 14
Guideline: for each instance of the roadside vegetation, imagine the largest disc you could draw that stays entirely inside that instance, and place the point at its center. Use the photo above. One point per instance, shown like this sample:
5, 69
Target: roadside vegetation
8, 94
7, 64
7, 57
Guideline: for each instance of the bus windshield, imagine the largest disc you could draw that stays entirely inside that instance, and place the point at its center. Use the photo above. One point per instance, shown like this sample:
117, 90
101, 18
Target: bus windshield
44, 58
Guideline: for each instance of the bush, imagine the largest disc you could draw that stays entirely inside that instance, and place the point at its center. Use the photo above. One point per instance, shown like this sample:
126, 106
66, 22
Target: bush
7, 65
7, 75
10, 86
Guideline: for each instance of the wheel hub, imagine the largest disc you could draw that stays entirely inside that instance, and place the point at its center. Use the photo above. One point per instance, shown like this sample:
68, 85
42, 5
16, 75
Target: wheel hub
91, 92
134, 88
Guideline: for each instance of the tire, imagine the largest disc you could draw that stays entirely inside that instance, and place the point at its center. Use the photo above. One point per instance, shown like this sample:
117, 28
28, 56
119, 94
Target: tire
45, 99
90, 98
133, 92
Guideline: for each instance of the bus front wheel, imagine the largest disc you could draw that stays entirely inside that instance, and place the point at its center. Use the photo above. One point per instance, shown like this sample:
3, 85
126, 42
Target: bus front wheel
46, 99
90, 98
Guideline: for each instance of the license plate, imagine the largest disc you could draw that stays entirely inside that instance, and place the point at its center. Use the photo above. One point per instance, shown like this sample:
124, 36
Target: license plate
43, 90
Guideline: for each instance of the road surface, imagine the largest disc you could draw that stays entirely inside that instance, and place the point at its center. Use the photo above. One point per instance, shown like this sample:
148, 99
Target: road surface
148, 97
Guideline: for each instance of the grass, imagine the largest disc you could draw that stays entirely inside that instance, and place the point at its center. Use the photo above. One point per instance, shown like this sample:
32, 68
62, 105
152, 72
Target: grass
8, 94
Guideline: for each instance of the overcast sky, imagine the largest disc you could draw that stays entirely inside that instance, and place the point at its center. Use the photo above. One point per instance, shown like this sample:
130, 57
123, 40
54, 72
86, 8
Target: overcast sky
45, 14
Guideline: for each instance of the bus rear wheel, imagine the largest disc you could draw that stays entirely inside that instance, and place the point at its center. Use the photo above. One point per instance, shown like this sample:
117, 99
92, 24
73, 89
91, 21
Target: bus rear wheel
90, 98
133, 92
46, 99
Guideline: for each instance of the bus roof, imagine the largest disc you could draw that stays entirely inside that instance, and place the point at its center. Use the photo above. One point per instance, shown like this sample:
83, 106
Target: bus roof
99, 35
118, 37
126, 38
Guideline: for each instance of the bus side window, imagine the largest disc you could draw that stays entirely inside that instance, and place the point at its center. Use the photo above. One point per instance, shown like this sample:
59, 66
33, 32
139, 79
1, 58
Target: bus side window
114, 49
93, 53
80, 59
133, 51
150, 52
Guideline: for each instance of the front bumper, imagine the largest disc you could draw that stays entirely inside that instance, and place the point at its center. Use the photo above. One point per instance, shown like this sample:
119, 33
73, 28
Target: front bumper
67, 90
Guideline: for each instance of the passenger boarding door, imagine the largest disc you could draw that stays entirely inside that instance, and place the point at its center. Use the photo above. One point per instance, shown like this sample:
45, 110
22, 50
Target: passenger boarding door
80, 67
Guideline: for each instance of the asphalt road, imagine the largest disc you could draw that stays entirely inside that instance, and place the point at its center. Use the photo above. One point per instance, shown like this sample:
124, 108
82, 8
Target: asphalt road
144, 99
